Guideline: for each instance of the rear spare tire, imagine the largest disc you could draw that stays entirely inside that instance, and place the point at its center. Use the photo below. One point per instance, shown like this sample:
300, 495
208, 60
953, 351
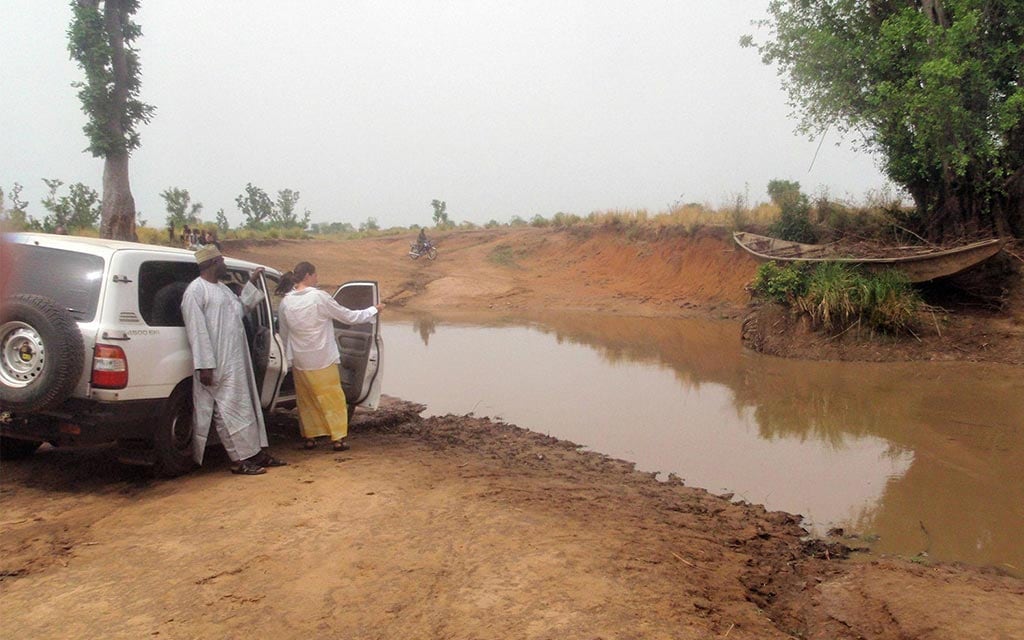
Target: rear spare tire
41, 353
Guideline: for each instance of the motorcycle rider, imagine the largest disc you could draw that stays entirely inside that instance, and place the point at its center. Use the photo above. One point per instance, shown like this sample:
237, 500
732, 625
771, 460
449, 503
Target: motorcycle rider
421, 241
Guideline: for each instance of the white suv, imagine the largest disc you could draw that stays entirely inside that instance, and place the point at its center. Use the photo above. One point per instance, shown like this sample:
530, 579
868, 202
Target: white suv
93, 347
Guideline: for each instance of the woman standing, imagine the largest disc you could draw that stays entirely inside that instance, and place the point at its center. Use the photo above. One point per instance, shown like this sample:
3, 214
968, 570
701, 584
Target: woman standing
305, 316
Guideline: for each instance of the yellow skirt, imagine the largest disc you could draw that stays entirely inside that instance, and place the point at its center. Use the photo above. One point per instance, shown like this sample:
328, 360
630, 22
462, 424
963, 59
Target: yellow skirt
322, 409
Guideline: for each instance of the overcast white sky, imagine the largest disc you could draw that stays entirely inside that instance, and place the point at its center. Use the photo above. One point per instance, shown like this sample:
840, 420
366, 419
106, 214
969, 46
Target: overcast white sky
375, 108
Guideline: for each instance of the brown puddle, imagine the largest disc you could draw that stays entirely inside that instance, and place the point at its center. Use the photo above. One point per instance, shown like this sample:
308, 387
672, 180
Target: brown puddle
927, 457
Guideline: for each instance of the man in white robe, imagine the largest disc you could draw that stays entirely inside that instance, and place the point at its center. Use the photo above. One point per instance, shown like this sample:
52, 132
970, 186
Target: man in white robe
223, 386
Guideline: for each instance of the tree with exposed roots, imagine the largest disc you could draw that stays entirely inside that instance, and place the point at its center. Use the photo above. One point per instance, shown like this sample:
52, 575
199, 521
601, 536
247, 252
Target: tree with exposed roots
100, 39
935, 86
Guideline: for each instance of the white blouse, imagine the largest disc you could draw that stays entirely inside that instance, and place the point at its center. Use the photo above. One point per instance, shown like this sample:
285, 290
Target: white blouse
304, 319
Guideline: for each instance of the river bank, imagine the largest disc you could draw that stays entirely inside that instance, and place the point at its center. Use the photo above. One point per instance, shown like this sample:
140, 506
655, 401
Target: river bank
525, 272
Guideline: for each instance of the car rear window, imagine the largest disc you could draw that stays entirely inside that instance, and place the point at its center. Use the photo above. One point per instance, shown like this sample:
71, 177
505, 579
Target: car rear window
161, 286
72, 280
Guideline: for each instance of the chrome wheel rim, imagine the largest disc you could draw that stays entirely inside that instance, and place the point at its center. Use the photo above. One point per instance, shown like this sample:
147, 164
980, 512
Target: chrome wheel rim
22, 354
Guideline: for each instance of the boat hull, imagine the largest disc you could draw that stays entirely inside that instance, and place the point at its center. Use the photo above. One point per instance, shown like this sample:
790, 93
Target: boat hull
920, 266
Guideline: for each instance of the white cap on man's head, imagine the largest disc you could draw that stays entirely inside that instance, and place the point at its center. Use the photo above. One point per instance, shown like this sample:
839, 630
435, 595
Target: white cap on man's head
206, 253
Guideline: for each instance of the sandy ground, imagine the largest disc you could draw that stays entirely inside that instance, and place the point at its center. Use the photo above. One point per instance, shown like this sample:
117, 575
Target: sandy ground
459, 527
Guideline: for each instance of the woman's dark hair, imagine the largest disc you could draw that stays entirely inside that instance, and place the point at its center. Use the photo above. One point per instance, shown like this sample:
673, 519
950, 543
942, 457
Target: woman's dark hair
293, 277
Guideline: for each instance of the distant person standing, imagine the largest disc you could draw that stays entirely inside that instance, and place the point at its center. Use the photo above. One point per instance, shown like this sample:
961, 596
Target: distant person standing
224, 386
305, 316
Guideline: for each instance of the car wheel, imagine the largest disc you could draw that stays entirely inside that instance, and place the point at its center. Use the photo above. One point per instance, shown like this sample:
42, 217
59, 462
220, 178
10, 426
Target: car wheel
41, 353
351, 412
16, 448
172, 440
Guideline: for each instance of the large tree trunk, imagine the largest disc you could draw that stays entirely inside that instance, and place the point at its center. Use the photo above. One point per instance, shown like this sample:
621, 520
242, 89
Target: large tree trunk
117, 219
1014, 211
118, 211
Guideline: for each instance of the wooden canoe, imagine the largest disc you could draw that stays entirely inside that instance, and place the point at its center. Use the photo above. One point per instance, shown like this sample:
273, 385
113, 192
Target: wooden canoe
919, 264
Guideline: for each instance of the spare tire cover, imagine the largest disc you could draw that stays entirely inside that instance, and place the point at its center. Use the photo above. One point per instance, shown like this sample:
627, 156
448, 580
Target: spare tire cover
41, 353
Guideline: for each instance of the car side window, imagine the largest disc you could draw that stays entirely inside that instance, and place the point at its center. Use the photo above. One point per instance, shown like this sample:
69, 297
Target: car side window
162, 283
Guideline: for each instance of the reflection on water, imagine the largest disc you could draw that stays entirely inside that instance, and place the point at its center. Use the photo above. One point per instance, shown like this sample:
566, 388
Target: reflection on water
928, 456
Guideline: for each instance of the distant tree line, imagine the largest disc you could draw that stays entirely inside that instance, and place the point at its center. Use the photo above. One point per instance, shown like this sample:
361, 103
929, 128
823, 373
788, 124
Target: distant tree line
77, 209
80, 209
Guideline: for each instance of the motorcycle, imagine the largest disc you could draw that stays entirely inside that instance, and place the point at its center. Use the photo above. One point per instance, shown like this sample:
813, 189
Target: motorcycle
426, 249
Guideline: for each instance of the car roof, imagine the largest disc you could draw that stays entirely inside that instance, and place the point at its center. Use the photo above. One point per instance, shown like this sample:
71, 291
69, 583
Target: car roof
106, 248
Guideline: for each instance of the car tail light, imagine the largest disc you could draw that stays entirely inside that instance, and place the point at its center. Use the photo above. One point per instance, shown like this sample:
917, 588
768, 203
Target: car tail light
109, 367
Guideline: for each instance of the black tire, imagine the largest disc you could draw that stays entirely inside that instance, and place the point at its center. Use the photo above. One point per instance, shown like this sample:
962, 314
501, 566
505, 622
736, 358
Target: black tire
172, 438
16, 448
351, 412
41, 353
432, 253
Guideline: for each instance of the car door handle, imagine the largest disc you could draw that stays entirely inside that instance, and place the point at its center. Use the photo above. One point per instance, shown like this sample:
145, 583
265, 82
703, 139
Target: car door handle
107, 336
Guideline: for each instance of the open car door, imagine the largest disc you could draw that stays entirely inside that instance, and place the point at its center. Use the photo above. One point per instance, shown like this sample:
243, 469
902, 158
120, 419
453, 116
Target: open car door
265, 347
360, 345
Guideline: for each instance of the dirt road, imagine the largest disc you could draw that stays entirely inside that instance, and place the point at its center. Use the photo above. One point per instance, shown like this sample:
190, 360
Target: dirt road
454, 527
443, 528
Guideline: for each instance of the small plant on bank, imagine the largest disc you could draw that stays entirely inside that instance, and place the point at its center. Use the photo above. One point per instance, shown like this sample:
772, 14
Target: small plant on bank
780, 283
834, 297
838, 296
892, 300
504, 255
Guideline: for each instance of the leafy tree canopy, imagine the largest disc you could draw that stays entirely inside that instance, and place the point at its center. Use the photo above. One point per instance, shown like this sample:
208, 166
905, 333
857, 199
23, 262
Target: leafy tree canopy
255, 205
783, 191
13, 214
180, 208
262, 213
79, 209
935, 86
284, 212
222, 221
101, 40
111, 103
440, 212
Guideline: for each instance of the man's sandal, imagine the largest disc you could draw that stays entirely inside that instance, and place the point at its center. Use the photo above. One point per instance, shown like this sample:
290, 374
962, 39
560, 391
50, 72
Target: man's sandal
270, 461
341, 445
248, 468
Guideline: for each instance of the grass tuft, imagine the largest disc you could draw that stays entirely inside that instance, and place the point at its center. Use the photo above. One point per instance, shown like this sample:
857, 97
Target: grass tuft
838, 296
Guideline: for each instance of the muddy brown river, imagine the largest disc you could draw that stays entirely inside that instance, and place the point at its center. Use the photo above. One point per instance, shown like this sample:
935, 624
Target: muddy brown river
923, 458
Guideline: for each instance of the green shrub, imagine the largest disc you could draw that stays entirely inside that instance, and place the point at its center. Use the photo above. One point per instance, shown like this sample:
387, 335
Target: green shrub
780, 283
563, 220
794, 221
503, 255
837, 296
